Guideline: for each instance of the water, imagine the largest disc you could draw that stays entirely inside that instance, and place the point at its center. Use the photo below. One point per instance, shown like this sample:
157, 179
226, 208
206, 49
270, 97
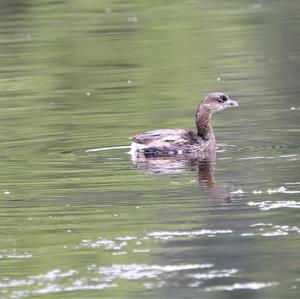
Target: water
85, 75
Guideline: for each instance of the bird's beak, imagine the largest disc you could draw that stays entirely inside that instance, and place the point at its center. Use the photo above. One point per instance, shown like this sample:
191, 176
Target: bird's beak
230, 103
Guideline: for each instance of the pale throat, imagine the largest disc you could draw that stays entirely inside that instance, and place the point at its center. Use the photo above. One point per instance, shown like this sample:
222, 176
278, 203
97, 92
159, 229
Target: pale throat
204, 129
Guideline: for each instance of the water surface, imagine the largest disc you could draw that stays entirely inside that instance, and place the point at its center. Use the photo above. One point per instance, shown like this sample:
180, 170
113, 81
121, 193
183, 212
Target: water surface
83, 75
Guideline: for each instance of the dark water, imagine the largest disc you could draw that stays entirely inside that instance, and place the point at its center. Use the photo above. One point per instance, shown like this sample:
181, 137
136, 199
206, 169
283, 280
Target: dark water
81, 75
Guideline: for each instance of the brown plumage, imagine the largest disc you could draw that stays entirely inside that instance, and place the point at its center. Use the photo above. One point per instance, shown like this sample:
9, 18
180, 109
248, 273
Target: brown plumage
169, 142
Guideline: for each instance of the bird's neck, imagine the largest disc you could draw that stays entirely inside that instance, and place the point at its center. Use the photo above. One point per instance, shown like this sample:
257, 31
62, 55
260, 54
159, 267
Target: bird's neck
204, 129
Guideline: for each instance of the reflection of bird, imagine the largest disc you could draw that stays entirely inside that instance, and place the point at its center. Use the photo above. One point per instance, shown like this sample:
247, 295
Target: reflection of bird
169, 142
170, 165
216, 193
164, 165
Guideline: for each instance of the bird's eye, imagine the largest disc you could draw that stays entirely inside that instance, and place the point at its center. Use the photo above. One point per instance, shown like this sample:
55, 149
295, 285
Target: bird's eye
224, 98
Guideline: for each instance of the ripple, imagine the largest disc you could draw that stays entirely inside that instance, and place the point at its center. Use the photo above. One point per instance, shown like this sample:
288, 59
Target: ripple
14, 255
53, 281
79, 285
275, 233
100, 149
126, 238
242, 286
107, 244
270, 230
282, 190
270, 205
54, 274
275, 190
257, 192
139, 271
6, 283
239, 191
252, 158
214, 274
170, 234
119, 253
261, 224
141, 250
281, 230
288, 156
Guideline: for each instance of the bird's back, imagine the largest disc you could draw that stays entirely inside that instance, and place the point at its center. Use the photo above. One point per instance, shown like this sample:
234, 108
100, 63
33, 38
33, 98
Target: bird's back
167, 142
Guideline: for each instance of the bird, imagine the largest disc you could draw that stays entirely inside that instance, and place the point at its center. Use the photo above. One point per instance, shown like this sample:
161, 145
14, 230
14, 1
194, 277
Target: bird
184, 142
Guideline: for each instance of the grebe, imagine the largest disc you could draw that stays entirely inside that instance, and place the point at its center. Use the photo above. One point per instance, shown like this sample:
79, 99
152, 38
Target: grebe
169, 142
